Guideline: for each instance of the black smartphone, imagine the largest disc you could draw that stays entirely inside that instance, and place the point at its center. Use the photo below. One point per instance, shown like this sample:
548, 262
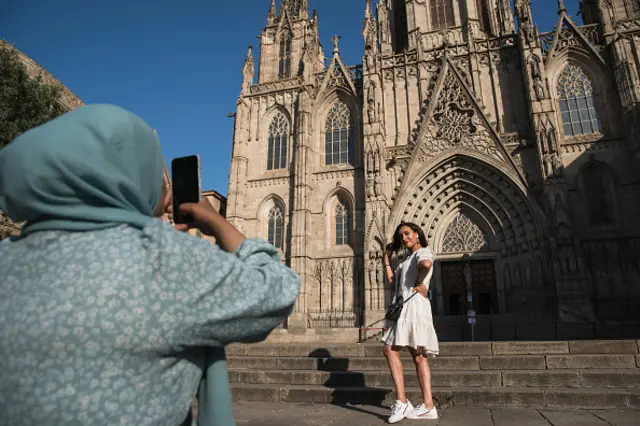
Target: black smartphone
185, 185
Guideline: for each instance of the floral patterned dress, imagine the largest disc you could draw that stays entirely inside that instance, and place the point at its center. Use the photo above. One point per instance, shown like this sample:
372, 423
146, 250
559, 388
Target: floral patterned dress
110, 327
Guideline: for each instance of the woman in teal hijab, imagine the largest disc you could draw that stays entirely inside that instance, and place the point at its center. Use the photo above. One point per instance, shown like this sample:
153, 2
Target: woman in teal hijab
111, 316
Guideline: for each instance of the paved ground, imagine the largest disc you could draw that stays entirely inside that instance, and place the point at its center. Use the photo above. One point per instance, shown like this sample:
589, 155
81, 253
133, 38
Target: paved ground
303, 414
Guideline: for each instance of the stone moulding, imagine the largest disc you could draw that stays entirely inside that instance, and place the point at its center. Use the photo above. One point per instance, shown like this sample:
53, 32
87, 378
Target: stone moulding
334, 174
276, 86
578, 147
257, 183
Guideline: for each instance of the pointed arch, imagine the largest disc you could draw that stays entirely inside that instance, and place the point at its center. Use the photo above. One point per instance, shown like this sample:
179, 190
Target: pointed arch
340, 135
325, 103
342, 223
272, 219
493, 197
463, 234
576, 99
277, 142
275, 226
339, 209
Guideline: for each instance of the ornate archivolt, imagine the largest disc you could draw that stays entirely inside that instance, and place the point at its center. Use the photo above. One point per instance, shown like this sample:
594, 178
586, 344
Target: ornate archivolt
464, 183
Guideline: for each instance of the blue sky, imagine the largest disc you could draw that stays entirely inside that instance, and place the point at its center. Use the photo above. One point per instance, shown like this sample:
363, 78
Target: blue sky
176, 64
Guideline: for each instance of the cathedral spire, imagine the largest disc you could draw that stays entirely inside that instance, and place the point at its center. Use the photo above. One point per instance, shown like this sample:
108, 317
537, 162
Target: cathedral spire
271, 18
368, 14
248, 71
248, 61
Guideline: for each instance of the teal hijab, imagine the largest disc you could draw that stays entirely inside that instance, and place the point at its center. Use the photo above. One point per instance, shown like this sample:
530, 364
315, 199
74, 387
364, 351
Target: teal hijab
94, 168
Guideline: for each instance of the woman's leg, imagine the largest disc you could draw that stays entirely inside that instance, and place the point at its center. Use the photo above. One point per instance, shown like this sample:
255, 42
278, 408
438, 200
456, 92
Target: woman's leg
392, 353
424, 376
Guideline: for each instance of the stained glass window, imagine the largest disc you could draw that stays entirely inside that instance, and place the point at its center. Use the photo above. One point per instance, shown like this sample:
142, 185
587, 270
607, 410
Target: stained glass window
277, 149
441, 14
275, 227
343, 224
577, 106
339, 136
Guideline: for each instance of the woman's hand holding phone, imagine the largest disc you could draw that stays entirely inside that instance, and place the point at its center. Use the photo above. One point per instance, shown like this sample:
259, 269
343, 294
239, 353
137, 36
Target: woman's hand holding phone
211, 223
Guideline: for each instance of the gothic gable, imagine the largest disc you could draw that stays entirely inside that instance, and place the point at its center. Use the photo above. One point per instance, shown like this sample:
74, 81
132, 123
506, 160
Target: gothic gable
285, 23
567, 35
455, 120
337, 77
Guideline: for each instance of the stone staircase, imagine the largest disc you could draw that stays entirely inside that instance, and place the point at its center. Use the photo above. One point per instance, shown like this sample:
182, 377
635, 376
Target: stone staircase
574, 374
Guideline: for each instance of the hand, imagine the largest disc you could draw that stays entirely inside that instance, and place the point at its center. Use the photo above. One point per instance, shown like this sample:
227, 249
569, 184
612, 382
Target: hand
202, 213
420, 288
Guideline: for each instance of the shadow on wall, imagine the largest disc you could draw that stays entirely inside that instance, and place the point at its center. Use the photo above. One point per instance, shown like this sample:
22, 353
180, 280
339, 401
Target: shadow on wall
603, 203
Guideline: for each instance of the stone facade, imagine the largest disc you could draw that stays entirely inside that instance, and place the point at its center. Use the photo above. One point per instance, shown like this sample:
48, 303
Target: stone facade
517, 152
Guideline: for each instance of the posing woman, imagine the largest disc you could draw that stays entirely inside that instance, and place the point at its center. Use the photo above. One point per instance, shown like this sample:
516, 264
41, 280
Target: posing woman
414, 329
110, 316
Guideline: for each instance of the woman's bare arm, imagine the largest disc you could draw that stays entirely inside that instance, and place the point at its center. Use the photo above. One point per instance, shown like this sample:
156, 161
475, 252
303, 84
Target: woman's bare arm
388, 270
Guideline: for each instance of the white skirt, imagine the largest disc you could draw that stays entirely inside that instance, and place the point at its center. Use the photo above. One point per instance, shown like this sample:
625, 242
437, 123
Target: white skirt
414, 328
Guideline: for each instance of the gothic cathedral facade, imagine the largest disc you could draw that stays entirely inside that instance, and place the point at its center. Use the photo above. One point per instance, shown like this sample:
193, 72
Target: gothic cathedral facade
517, 152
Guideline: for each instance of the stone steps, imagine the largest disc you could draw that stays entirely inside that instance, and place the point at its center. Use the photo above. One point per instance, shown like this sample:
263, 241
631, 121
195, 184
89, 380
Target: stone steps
445, 397
592, 374
320, 350
444, 379
545, 362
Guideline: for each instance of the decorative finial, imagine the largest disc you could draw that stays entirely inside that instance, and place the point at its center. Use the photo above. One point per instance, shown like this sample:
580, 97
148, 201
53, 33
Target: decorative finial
368, 13
561, 8
335, 40
272, 12
248, 62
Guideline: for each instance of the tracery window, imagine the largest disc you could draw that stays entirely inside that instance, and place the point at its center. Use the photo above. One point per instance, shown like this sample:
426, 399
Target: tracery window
577, 103
284, 65
342, 222
463, 235
277, 149
340, 135
276, 222
441, 14
599, 196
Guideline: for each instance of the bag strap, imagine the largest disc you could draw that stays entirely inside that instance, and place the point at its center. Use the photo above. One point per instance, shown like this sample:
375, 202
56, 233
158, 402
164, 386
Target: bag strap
411, 297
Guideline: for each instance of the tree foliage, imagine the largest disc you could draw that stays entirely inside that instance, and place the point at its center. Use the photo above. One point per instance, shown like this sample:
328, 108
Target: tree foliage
25, 101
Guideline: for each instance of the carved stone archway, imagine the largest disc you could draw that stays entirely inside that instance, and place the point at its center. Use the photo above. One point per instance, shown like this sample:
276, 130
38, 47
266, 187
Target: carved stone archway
501, 210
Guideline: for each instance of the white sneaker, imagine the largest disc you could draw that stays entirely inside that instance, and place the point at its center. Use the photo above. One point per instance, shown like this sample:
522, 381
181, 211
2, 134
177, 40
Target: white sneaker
423, 413
400, 410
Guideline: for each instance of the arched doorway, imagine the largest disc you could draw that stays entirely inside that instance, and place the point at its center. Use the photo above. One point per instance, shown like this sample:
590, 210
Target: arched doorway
484, 233
467, 278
